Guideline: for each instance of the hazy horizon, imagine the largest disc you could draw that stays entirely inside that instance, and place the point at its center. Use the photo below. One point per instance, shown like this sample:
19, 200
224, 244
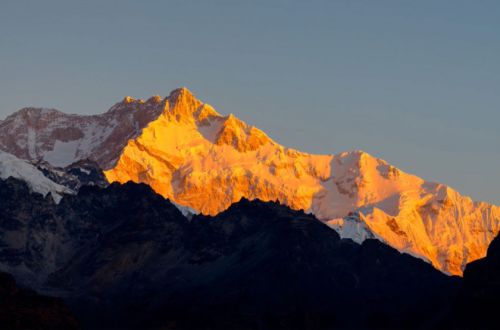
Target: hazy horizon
415, 84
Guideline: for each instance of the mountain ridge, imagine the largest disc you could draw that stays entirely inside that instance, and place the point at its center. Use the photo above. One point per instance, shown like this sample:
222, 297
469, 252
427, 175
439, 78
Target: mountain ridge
187, 152
125, 257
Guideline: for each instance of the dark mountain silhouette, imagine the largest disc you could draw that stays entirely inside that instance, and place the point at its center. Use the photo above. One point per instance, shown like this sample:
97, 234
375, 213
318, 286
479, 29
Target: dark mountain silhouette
476, 306
123, 256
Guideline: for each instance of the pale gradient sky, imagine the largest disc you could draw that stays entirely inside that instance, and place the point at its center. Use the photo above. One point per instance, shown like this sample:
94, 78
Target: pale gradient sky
414, 82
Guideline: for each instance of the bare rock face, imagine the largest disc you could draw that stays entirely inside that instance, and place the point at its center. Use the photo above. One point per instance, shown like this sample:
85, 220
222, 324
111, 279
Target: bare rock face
74, 176
205, 161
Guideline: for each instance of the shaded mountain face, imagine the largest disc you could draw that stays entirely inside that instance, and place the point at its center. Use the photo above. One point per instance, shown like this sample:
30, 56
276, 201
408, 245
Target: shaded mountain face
38, 134
199, 159
81, 173
124, 256
477, 303
25, 309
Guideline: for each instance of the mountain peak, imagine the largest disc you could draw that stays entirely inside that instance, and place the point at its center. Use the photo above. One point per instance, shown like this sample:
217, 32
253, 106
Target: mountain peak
180, 94
156, 99
182, 104
241, 136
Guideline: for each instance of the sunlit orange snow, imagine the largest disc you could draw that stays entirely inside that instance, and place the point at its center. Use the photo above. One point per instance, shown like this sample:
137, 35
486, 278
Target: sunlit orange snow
200, 159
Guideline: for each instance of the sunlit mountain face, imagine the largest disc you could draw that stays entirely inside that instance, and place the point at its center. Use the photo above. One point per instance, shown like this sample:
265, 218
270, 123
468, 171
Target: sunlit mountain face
189, 153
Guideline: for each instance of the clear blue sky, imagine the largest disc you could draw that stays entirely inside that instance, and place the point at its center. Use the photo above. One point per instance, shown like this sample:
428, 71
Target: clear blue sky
414, 82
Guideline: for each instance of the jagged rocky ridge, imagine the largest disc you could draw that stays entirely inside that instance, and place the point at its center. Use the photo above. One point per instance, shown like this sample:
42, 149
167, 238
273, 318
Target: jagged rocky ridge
74, 176
124, 256
199, 159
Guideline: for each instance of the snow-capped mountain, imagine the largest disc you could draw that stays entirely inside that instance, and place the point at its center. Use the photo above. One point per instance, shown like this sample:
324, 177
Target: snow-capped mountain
201, 159
11, 166
197, 158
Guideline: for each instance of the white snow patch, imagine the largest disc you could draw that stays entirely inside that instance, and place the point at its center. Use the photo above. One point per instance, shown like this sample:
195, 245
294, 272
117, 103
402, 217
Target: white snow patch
185, 210
63, 153
31, 142
351, 227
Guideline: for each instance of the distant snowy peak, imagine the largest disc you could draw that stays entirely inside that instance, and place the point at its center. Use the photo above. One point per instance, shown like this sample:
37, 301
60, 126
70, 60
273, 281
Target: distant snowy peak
11, 166
61, 139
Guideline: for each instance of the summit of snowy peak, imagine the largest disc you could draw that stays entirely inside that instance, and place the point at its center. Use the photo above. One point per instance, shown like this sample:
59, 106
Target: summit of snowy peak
241, 136
206, 113
182, 97
182, 104
156, 99
354, 155
181, 91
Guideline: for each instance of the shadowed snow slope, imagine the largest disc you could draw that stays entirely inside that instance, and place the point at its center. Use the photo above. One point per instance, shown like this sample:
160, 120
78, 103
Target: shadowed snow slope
11, 166
191, 154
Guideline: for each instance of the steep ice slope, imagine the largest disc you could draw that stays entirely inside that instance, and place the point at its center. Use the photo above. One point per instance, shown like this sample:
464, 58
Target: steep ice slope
11, 166
205, 161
